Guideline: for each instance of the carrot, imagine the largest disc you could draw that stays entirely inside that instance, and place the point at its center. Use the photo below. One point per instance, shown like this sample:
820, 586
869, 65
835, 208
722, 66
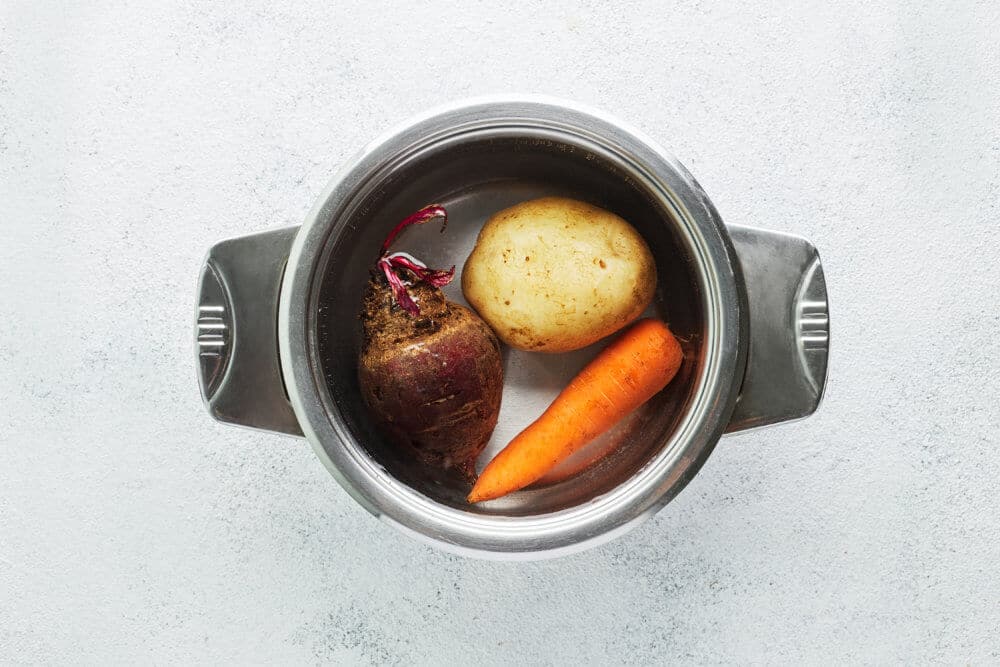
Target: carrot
625, 375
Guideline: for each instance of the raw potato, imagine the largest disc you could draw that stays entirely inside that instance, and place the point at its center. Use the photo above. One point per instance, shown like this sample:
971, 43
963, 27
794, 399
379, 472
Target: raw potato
556, 274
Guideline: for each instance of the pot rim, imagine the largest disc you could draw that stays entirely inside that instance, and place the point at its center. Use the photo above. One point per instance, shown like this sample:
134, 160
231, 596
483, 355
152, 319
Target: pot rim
724, 304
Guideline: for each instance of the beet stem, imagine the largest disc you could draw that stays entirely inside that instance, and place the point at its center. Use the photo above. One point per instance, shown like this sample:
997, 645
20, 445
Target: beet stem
426, 214
389, 263
436, 277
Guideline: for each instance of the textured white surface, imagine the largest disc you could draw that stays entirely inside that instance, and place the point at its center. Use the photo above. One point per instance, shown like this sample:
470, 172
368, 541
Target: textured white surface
134, 529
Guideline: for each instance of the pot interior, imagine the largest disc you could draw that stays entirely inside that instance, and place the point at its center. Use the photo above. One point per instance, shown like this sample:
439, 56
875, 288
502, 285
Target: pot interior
474, 178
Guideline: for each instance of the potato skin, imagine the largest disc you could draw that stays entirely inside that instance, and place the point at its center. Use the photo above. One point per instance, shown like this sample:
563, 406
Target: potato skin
556, 274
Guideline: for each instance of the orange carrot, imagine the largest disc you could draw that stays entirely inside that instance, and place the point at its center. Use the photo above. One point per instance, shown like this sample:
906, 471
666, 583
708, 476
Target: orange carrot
625, 375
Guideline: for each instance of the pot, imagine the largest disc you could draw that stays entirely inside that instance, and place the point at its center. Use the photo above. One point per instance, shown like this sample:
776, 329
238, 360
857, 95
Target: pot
278, 332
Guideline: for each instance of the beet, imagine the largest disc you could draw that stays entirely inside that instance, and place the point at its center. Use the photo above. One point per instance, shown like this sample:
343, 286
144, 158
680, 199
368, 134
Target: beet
430, 370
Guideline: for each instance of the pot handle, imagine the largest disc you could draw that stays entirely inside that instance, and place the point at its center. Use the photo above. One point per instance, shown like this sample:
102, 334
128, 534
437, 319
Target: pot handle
789, 328
237, 332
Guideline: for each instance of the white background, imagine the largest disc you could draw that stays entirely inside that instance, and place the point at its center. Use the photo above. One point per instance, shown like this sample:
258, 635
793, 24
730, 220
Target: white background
134, 529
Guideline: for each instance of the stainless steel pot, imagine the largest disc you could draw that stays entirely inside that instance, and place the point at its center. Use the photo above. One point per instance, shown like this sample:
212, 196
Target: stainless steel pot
278, 333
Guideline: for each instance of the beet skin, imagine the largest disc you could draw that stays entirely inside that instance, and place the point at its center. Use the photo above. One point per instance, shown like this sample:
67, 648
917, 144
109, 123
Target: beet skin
433, 380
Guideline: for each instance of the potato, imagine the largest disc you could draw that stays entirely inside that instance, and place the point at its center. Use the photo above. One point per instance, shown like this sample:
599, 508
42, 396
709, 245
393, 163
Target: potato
555, 274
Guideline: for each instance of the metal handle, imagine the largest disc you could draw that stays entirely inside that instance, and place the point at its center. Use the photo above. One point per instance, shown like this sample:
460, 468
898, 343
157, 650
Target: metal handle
789, 328
237, 333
